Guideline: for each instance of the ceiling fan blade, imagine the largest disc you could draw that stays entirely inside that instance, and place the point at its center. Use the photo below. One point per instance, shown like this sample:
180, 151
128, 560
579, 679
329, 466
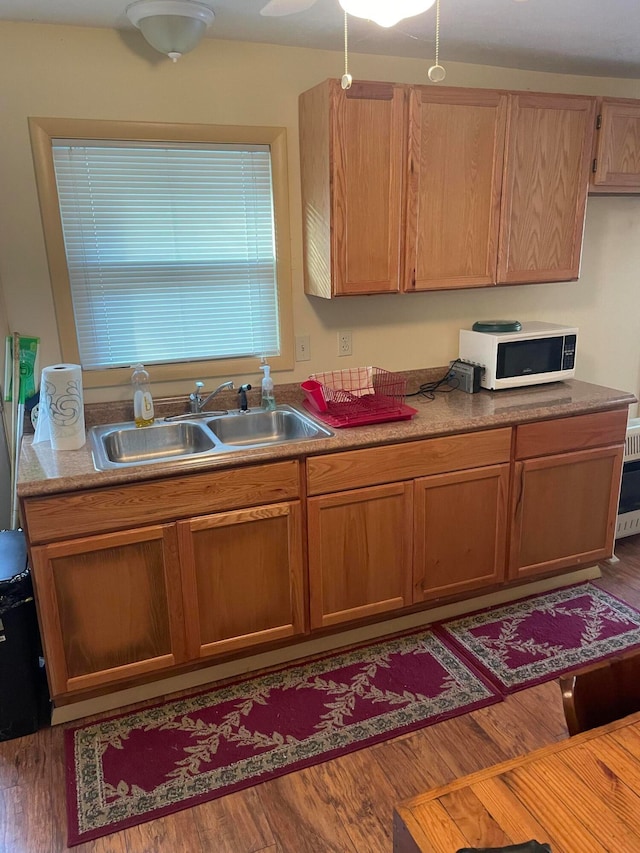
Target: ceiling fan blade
277, 8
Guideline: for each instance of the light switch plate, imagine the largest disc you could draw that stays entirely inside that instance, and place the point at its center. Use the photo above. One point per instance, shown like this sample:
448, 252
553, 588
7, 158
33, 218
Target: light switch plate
303, 348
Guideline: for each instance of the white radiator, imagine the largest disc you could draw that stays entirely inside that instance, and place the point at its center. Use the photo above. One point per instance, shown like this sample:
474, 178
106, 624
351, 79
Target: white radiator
629, 522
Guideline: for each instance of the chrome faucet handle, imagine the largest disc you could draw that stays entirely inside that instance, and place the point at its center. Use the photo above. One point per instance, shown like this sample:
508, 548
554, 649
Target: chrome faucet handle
195, 398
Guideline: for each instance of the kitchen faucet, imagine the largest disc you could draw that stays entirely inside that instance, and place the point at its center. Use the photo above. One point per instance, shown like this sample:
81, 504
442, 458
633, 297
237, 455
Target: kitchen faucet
197, 404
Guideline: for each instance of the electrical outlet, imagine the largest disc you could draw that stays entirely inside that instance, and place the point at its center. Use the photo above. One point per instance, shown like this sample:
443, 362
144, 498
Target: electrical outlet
303, 348
345, 346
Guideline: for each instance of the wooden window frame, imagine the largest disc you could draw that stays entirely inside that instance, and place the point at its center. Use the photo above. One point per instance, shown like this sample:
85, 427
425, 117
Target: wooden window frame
44, 130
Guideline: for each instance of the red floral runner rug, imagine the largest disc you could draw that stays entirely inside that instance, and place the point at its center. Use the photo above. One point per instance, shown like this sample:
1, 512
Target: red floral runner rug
139, 766
526, 642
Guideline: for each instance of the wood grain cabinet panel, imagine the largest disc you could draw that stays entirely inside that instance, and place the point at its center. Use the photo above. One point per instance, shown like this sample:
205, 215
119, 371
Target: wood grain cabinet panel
352, 153
617, 154
388, 527
390, 463
134, 504
444, 188
564, 510
546, 177
460, 531
456, 143
242, 578
110, 607
360, 553
596, 429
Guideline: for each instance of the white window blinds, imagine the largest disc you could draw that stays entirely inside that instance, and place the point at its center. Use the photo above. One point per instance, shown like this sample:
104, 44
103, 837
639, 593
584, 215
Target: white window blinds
170, 250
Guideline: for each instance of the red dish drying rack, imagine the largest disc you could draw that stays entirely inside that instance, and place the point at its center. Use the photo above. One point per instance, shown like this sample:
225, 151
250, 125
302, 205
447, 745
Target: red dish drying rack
357, 396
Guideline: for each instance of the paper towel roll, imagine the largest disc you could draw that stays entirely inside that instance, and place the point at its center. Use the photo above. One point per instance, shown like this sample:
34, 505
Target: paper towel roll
61, 410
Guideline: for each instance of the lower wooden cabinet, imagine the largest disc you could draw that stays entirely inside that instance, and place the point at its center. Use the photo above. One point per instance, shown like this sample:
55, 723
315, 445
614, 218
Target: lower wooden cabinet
121, 605
360, 546
460, 531
564, 510
112, 601
387, 529
242, 578
110, 607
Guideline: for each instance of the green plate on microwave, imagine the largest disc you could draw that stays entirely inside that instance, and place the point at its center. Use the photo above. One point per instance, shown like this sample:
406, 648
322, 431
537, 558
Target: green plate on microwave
496, 326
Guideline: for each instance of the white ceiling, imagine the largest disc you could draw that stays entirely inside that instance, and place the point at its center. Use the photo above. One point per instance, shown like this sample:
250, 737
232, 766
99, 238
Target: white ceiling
595, 37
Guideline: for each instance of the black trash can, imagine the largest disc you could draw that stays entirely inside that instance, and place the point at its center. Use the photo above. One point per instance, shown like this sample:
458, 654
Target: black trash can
20, 667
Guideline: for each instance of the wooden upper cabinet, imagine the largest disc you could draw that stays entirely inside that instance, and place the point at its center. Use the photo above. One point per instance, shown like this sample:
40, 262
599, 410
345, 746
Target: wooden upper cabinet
546, 178
456, 144
617, 154
352, 153
448, 188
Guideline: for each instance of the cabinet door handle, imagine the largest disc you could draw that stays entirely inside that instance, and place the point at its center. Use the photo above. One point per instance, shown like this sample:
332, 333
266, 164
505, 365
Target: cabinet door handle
520, 476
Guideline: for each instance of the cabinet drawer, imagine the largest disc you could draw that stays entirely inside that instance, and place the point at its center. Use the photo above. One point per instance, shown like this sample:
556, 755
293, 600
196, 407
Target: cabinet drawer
376, 465
559, 436
53, 518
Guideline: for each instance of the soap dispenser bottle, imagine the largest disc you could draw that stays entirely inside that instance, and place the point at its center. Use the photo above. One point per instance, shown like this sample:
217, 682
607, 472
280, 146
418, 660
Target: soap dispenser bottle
142, 399
268, 398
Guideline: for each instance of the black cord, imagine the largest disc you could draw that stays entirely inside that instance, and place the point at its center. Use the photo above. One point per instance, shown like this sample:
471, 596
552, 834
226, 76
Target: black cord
443, 385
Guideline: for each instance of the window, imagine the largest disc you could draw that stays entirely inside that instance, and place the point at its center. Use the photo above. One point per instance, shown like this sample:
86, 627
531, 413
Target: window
167, 245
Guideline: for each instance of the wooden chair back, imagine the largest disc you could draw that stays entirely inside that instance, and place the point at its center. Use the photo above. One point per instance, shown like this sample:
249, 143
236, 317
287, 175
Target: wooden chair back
601, 693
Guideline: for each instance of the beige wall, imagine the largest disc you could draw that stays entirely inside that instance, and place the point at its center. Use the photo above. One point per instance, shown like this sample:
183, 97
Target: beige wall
98, 73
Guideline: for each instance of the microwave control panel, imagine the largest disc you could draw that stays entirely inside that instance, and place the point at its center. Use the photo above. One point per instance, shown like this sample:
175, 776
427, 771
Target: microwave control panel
569, 352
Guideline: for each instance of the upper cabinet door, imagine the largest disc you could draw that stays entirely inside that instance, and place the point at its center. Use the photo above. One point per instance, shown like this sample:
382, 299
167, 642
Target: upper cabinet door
352, 152
618, 147
546, 177
456, 145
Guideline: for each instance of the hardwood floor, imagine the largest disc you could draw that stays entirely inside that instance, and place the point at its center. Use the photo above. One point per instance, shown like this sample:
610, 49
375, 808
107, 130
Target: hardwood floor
341, 806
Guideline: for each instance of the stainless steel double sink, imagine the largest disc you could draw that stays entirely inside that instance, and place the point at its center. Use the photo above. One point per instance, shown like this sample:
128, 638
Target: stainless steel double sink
124, 445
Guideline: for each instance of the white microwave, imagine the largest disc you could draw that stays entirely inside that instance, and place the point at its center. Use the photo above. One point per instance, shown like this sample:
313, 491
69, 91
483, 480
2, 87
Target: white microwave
536, 353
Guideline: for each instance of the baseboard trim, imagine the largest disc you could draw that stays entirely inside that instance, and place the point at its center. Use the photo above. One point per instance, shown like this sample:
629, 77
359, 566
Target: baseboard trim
234, 668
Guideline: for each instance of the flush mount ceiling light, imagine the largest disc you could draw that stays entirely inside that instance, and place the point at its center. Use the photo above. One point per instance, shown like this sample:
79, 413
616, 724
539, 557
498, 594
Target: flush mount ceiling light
386, 13
173, 27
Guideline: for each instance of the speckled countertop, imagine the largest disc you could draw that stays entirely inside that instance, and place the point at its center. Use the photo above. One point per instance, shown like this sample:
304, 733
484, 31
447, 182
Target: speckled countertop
44, 471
